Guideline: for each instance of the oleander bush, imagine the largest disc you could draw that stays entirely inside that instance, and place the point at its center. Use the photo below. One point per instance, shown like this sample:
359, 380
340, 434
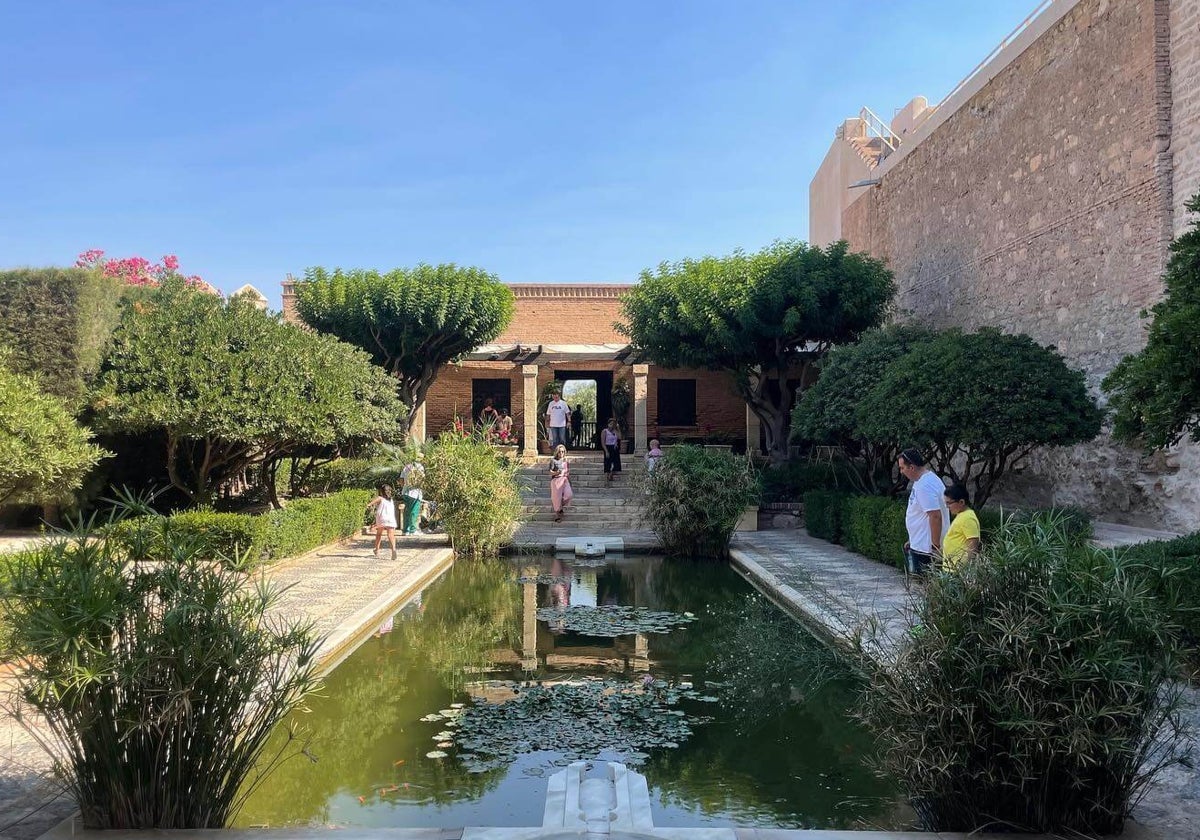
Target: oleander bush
695, 497
1011, 706
476, 492
154, 686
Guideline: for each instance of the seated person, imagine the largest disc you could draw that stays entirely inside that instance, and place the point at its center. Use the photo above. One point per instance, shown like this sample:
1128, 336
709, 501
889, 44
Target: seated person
653, 455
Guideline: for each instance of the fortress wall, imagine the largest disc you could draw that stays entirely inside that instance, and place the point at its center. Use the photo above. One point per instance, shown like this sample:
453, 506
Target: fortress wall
1044, 204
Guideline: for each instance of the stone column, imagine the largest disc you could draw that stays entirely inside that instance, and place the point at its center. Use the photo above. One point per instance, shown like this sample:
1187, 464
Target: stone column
529, 375
752, 431
529, 619
640, 392
416, 427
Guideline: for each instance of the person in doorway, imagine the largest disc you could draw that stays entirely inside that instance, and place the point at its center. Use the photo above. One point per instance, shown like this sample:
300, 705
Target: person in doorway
610, 439
488, 416
963, 538
411, 493
576, 425
927, 518
504, 427
560, 482
558, 415
653, 455
385, 518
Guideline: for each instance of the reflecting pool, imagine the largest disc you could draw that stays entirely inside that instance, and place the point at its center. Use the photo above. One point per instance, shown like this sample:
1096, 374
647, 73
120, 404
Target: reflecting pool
460, 707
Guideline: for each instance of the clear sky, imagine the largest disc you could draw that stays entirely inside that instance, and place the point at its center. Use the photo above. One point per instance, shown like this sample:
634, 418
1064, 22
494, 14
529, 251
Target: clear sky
544, 141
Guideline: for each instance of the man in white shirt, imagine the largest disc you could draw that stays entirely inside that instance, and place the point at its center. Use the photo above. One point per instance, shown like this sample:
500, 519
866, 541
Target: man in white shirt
927, 518
558, 416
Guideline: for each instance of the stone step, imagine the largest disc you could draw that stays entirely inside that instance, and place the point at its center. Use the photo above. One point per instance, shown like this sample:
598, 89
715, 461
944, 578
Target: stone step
600, 521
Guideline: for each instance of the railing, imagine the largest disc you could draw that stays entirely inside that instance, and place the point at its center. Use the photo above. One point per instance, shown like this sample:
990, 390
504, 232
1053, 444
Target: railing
1008, 39
586, 439
876, 127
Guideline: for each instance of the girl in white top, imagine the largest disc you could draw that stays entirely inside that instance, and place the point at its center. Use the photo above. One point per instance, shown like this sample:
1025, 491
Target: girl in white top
385, 518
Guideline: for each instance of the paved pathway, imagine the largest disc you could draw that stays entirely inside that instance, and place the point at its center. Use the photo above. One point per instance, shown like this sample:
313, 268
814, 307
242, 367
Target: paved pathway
343, 588
1111, 535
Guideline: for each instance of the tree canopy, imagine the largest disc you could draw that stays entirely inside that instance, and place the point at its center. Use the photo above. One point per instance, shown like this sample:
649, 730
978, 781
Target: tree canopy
763, 317
232, 387
976, 403
410, 320
44, 453
1156, 393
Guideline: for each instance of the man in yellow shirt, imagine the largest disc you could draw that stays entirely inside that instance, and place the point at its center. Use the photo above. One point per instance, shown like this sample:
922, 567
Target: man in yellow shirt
962, 540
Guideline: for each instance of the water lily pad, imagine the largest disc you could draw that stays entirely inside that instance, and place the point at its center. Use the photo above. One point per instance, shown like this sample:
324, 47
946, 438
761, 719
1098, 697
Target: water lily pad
548, 580
436, 754
443, 745
430, 718
612, 620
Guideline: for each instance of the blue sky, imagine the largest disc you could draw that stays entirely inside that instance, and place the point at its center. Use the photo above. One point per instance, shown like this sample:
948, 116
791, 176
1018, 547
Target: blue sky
546, 142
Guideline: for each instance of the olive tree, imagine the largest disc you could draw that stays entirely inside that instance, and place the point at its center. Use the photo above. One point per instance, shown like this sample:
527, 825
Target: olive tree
233, 388
977, 403
763, 317
44, 453
1156, 392
410, 320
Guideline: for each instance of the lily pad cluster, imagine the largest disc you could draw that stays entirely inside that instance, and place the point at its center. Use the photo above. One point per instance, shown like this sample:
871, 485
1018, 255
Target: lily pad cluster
549, 580
613, 620
578, 720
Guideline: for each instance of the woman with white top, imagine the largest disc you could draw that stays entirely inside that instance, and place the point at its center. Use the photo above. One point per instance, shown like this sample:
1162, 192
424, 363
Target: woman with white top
610, 439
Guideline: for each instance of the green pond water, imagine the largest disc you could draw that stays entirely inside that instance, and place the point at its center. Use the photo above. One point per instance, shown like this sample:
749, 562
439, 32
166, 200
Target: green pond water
746, 712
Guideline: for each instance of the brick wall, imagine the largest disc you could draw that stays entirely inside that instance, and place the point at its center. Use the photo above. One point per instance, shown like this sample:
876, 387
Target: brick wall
565, 314
1044, 205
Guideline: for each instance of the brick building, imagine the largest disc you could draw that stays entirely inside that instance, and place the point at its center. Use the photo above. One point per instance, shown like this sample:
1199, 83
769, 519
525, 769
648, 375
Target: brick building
1040, 197
566, 332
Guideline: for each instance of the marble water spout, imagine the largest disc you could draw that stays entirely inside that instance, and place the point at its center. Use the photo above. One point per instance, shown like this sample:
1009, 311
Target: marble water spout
617, 801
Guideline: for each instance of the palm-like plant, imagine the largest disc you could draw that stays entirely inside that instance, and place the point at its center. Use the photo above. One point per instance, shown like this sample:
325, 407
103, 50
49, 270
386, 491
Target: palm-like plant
158, 682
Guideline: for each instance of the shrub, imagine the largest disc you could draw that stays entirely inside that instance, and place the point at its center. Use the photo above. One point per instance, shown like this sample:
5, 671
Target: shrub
1076, 523
351, 474
696, 497
240, 538
476, 491
1011, 704
788, 482
1172, 570
860, 523
159, 683
58, 323
823, 511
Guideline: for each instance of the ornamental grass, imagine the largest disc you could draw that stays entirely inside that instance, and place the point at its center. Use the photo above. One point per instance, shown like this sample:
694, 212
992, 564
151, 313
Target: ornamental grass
158, 683
1035, 690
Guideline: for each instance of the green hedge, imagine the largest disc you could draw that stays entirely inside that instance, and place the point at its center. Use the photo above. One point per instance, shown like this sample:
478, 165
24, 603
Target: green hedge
1173, 568
58, 323
303, 525
823, 513
789, 482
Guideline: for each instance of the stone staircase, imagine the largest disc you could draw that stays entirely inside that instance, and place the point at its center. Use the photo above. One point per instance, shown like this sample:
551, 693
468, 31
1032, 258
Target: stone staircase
597, 502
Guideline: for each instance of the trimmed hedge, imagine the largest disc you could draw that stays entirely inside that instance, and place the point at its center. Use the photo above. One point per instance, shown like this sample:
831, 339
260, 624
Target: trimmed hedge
823, 513
58, 323
788, 482
303, 525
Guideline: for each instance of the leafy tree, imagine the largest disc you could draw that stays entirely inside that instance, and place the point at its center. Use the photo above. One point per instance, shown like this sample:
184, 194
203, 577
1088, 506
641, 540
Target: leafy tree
232, 387
44, 453
828, 412
763, 317
1156, 392
977, 403
411, 320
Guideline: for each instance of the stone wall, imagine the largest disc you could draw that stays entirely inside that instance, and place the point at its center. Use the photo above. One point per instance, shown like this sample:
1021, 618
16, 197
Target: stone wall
1044, 204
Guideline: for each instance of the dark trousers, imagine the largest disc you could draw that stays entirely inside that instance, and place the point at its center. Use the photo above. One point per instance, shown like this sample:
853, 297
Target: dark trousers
612, 457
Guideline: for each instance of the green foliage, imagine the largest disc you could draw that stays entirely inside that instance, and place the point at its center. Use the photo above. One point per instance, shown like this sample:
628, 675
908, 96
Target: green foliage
242, 539
789, 481
696, 497
159, 684
977, 403
824, 513
410, 320
44, 453
351, 473
58, 322
763, 317
1010, 705
231, 387
874, 527
1156, 392
1172, 570
476, 491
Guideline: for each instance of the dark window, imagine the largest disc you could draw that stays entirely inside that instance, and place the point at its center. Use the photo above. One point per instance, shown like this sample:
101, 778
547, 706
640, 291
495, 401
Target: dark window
499, 391
677, 402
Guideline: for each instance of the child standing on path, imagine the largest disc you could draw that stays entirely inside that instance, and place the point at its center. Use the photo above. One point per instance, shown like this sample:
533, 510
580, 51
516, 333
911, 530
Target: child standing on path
385, 518
560, 482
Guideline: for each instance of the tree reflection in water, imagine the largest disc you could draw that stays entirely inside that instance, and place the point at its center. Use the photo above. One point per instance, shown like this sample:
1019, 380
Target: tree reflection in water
780, 750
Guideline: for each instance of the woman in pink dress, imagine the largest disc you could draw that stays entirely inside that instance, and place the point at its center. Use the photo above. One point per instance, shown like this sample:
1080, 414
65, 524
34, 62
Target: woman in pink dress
560, 482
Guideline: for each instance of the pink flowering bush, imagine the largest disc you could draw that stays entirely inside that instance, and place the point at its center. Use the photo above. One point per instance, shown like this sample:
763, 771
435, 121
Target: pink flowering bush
138, 271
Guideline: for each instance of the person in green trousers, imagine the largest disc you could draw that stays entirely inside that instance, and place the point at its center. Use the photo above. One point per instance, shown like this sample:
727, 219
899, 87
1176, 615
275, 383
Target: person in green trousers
412, 476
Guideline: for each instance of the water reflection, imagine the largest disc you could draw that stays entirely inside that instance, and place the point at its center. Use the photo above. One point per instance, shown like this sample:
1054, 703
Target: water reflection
778, 751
